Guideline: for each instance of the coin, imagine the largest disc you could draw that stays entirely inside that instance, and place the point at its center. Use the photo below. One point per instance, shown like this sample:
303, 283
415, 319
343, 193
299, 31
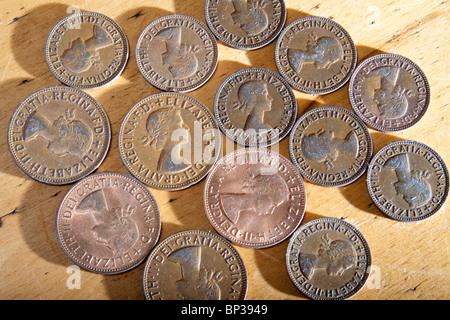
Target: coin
108, 223
389, 92
254, 197
176, 53
407, 180
330, 146
315, 55
249, 24
59, 135
255, 107
328, 259
86, 50
195, 265
169, 140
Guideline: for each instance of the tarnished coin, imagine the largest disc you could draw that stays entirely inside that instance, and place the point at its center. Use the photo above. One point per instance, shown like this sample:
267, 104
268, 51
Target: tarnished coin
330, 146
169, 140
86, 50
255, 107
254, 197
108, 223
245, 24
195, 265
176, 53
328, 259
59, 135
389, 92
408, 181
316, 55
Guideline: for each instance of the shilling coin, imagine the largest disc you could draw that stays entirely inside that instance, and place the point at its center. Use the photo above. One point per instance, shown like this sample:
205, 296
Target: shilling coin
169, 140
108, 223
58, 135
245, 24
176, 53
316, 55
389, 92
255, 107
328, 259
408, 181
195, 265
330, 146
86, 50
254, 197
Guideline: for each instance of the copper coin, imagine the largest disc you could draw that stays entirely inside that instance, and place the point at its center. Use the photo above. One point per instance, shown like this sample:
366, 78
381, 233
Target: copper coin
328, 259
408, 181
255, 107
59, 135
195, 265
316, 55
330, 146
108, 223
389, 92
245, 24
176, 53
169, 141
86, 50
254, 197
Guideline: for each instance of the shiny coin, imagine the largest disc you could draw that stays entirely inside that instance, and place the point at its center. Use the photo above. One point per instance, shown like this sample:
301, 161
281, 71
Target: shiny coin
195, 265
176, 53
316, 55
169, 141
254, 197
389, 92
255, 107
86, 50
328, 259
330, 146
408, 181
59, 135
248, 24
108, 223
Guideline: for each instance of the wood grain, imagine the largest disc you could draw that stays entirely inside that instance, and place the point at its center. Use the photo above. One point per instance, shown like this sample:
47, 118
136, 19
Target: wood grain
411, 260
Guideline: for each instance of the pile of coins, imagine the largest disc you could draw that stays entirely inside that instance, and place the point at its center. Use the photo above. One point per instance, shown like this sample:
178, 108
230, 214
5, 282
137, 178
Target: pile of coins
254, 197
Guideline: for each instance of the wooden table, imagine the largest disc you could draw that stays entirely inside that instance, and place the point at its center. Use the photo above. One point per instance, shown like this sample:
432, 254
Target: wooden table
410, 260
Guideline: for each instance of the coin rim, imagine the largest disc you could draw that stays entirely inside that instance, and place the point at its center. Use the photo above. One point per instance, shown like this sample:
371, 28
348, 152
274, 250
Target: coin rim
198, 232
349, 226
424, 146
100, 270
253, 46
363, 168
324, 91
292, 121
91, 168
123, 63
234, 240
194, 86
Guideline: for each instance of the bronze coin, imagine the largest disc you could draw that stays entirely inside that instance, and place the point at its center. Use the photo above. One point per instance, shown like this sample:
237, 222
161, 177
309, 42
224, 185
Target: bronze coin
408, 181
328, 259
255, 107
315, 55
108, 223
330, 146
86, 50
195, 265
59, 135
176, 53
249, 24
389, 92
254, 197
169, 141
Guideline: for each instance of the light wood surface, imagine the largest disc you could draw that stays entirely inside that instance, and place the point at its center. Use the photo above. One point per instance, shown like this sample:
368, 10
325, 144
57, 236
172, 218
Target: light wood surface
411, 260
